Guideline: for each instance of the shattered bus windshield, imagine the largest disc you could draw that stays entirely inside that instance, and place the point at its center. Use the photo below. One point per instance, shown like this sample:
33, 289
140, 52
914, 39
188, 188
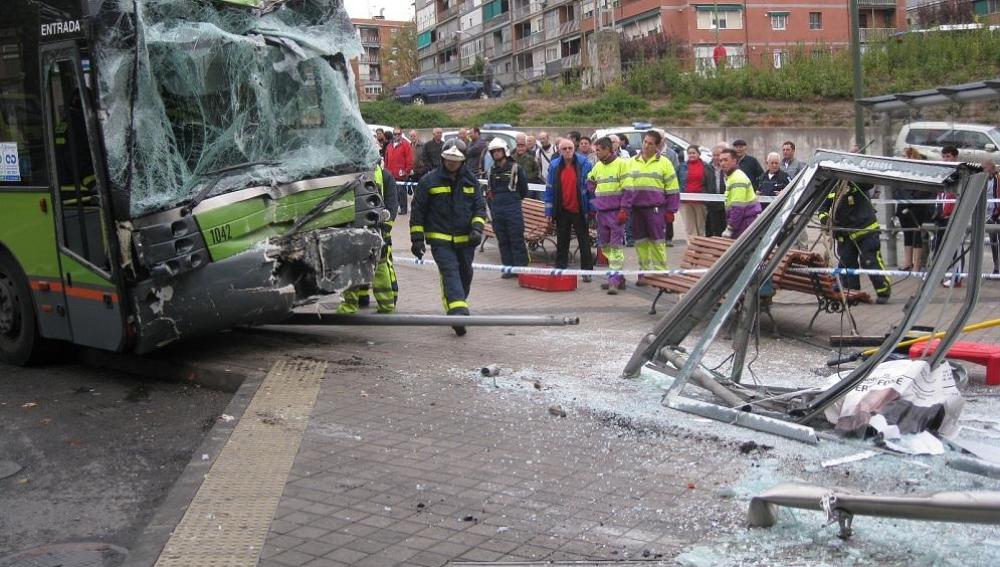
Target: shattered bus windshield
206, 86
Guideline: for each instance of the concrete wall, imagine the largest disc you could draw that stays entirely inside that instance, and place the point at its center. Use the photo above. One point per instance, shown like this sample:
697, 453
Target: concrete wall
760, 141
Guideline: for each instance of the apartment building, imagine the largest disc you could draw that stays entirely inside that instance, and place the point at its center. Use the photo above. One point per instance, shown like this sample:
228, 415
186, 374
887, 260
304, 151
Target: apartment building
527, 40
758, 32
370, 68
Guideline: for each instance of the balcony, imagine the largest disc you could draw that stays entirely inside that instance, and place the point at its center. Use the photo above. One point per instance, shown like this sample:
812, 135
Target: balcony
521, 12
450, 65
367, 59
370, 41
563, 29
498, 50
496, 21
876, 3
871, 35
560, 65
445, 41
447, 14
529, 41
532, 73
473, 31
569, 27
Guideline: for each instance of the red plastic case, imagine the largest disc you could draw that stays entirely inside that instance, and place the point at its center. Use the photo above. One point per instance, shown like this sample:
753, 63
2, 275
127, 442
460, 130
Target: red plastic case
547, 283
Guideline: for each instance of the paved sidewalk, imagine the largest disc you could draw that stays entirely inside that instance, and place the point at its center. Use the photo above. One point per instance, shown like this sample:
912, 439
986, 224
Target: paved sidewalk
412, 458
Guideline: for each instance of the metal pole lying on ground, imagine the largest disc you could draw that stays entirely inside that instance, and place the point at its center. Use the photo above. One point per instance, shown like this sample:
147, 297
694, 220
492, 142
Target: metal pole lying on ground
967, 507
408, 320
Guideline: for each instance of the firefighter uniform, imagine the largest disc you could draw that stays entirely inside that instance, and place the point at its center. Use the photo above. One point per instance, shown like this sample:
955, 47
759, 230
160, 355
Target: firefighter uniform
651, 189
508, 185
385, 286
857, 232
604, 183
448, 212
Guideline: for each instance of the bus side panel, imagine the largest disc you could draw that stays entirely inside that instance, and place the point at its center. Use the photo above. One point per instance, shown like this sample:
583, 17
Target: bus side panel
93, 302
29, 234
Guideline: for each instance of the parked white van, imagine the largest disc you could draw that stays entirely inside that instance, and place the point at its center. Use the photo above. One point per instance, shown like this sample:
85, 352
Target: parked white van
975, 142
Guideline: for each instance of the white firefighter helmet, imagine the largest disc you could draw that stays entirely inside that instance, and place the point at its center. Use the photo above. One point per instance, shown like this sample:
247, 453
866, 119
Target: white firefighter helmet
498, 144
453, 150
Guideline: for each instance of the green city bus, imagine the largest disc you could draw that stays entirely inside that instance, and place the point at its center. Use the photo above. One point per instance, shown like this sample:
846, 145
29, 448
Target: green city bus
171, 168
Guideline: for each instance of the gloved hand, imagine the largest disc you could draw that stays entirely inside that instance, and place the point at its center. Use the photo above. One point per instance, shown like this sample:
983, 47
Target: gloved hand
669, 217
418, 248
622, 216
475, 236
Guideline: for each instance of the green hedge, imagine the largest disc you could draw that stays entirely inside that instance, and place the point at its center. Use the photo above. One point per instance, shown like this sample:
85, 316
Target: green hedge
910, 62
614, 105
393, 113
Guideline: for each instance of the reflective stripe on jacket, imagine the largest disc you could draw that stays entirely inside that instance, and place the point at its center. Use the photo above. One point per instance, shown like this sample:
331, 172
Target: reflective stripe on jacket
446, 208
854, 215
605, 183
651, 183
741, 201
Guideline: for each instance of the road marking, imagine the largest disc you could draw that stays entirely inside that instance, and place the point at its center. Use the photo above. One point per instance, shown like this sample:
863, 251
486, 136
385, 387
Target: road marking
229, 518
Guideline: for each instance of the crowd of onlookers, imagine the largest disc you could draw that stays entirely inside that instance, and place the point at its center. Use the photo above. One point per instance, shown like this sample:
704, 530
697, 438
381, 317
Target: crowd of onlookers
409, 157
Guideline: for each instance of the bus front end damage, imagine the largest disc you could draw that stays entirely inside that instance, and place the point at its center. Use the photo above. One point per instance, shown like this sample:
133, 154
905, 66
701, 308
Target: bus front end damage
184, 295
239, 164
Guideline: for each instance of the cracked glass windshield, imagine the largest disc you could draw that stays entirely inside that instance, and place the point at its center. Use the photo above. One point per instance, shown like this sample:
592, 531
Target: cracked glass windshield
207, 92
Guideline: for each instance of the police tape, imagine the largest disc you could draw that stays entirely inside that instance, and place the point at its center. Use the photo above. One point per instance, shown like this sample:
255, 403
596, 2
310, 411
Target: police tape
721, 198
549, 271
890, 273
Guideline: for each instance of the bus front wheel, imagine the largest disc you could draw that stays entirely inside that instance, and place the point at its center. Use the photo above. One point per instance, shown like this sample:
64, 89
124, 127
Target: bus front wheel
18, 328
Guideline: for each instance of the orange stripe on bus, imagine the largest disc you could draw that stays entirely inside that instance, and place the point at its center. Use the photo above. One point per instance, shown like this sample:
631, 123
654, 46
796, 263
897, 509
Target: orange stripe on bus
78, 292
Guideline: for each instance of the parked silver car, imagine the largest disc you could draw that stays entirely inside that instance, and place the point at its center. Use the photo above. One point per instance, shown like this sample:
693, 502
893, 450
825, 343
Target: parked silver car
975, 142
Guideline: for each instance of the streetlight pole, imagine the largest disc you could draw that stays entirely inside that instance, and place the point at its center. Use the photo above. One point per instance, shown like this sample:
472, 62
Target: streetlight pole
859, 119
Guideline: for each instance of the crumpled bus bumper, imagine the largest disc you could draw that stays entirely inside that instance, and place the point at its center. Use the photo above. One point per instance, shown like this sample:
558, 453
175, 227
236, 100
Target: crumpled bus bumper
261, 285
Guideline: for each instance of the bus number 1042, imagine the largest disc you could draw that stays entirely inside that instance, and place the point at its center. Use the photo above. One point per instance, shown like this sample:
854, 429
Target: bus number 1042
220, 234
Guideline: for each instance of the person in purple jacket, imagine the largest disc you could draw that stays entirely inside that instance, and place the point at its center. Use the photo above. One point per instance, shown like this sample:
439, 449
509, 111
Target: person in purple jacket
742, 206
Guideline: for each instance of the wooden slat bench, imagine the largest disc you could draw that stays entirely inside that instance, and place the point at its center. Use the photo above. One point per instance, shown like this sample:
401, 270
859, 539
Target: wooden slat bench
703, 252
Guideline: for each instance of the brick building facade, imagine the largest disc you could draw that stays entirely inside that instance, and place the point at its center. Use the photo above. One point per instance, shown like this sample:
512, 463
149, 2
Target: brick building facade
526, 40
376, 34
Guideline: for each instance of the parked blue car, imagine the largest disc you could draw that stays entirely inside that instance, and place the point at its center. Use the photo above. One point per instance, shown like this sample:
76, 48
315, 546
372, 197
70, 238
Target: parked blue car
442, 87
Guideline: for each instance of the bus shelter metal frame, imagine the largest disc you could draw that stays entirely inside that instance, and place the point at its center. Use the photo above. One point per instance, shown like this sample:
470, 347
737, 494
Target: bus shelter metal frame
729, 293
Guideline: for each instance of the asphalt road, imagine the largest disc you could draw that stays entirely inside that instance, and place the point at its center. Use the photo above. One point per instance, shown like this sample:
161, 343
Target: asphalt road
99, 449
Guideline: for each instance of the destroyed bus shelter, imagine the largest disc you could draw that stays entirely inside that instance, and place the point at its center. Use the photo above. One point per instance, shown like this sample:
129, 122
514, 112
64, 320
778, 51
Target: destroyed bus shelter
729, 292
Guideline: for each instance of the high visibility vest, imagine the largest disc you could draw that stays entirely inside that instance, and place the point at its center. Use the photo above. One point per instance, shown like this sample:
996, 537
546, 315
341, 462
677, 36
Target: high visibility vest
739, 190
649, 183
608, 178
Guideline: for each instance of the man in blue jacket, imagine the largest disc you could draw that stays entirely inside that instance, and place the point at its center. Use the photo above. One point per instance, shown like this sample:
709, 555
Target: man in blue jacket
449, 211
566, 203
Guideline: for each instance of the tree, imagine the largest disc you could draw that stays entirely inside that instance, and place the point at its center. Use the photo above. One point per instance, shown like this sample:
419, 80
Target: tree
401, 58
945, 12
475, 73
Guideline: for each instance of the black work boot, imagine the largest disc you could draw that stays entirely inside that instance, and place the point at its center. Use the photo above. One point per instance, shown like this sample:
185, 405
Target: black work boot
460, 330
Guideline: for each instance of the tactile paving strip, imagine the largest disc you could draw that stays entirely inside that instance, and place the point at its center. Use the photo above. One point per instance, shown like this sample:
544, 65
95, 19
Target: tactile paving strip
228, 520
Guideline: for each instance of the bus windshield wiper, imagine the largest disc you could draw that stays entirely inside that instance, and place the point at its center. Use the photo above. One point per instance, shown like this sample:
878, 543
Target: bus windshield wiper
218, 175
